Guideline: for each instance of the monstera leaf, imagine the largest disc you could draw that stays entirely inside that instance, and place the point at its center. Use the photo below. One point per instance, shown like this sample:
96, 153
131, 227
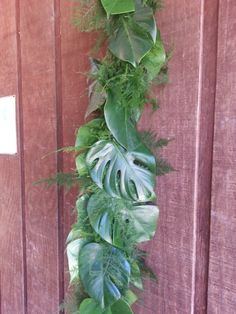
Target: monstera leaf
89, 306
104, 272
73, 249
118, 221
121, 173
118, 6
135, 35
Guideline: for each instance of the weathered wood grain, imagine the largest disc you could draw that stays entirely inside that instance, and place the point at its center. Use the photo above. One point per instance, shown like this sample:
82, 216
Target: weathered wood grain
11, 243
37, 34
75, 47
222, 274
204, 147
179, 253
43, 60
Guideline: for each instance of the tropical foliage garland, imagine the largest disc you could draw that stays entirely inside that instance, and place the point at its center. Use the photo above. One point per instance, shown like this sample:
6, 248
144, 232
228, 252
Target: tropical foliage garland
116, 164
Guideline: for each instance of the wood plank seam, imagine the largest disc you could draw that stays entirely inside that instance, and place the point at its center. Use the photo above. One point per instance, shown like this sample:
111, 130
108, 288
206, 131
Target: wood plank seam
195, 204
200, 287
213, 141
21, 151
58, 89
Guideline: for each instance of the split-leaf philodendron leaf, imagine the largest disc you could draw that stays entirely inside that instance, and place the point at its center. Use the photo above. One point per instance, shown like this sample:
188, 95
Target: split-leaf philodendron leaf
119, 222
121, 173
104, 272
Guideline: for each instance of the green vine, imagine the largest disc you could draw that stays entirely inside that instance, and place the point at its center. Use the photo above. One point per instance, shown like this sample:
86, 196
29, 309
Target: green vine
116, 164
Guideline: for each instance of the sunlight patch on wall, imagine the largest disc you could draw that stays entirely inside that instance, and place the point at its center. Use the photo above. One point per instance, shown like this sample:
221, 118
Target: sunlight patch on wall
8, 140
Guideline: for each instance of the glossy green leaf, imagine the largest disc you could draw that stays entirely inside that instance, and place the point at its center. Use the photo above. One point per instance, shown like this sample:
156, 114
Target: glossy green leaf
116, 114
145, 18
155, 59
104, 272
135, 35
89, 306
118, 6
118, 221
87, 134
123, 128
73, 249
121, 173
121, 307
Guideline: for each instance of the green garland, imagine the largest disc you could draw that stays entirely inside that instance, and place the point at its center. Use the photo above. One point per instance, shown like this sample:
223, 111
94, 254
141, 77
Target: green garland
116, 165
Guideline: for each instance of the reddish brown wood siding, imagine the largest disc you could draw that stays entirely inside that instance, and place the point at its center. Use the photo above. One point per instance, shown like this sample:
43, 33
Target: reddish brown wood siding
41, 59
12, 287
222, 275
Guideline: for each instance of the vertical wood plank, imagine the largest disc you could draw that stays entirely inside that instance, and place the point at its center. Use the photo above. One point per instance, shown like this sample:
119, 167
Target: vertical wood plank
203, 170
37, 31
222, 274
11, 256
74, 66
179, 253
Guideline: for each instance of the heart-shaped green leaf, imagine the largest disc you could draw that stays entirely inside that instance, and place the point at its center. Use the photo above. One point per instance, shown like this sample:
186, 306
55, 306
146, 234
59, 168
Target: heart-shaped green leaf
121, 307
121, 222
118, 6
135, 35
144, 17
121, 173
89, 306
116, 114
104, 272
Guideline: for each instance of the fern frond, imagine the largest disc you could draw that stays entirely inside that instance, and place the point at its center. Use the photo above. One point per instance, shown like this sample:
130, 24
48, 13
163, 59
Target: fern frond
67, 180
163, 167
89, 16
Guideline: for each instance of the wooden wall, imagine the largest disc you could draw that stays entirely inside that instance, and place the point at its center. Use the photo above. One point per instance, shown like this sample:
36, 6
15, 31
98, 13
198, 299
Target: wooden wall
194, 252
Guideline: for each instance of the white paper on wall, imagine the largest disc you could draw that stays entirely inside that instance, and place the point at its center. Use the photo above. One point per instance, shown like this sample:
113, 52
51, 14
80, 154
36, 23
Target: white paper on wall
8, 140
